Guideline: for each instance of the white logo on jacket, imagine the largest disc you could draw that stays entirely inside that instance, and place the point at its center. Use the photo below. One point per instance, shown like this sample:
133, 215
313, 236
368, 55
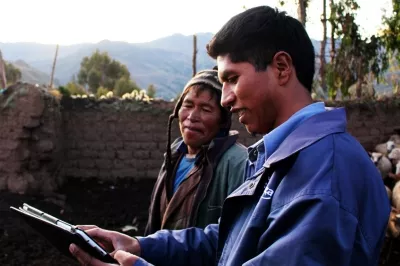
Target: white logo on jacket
267, 194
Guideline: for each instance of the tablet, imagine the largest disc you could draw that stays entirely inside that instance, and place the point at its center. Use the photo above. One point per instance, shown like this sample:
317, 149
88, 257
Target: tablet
61, 234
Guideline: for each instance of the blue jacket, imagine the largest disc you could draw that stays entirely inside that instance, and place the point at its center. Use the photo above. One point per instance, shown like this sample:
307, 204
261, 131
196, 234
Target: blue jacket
318, 200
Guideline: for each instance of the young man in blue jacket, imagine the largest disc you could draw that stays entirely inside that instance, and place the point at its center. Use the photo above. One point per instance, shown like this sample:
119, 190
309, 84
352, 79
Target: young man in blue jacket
312, 195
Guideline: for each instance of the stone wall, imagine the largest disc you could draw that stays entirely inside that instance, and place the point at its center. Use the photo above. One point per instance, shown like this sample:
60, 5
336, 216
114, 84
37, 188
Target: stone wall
43, 141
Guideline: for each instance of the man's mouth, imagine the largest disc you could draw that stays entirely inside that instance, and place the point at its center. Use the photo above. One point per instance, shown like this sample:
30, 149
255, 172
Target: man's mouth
194, 129
241, 112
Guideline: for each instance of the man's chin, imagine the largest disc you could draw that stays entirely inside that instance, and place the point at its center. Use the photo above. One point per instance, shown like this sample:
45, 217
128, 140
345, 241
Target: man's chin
252, 131
253, 134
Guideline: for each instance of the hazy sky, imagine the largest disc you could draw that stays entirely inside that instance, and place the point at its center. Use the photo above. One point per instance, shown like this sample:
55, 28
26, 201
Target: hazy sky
76, 21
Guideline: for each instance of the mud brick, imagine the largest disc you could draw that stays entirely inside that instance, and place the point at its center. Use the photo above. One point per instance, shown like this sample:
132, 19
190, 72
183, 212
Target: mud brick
142, 137
132, 145
9, 144
107, 154
87, 164
103, 164
118, 164
97, 145
124, 155
90, 154
142, 154
4, 154
148, 145
127, 136
113, 145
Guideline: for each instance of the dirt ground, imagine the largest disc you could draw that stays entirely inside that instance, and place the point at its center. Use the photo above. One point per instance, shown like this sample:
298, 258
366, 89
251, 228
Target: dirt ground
107, 205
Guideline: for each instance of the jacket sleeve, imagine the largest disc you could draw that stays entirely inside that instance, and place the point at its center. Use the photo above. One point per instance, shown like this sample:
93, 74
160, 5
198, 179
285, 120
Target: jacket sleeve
142, 262
309, 231
192, 246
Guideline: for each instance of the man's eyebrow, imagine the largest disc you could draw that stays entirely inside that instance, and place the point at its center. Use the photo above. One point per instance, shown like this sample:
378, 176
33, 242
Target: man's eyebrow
206, 104
187, 101
226, 74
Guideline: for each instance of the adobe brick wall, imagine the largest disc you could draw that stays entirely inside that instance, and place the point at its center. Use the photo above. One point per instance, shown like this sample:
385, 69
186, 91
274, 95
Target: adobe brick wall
43, 141
372, 122
118, 139
30, 140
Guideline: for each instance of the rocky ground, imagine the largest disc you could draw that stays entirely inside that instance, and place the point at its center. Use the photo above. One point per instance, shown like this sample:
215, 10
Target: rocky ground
107, 205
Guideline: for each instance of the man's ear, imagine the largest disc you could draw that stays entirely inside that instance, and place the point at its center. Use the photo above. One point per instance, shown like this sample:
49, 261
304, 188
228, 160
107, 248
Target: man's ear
283, 67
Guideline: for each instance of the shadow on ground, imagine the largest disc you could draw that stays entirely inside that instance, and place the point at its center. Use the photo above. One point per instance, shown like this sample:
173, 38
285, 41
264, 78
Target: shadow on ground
108, 205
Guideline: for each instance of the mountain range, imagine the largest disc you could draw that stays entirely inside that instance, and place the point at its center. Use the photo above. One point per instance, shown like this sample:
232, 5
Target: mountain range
166, 62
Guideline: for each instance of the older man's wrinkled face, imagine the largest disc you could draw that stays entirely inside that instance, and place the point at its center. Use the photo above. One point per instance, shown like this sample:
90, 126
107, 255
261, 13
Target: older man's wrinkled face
199, 118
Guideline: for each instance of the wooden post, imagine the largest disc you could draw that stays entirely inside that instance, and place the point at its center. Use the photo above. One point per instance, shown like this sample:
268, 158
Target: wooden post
333, 30
322, 69
53, 68
301, 11
194, 54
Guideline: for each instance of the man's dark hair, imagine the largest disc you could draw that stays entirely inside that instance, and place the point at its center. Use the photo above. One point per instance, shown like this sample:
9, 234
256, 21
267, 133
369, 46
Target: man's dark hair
258, 33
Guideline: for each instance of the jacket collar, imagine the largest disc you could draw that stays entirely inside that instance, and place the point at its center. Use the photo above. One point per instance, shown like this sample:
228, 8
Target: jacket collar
310, 131
271, 141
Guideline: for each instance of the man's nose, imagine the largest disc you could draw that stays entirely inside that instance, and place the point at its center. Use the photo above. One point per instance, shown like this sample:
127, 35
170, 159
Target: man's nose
194, 115
227, 97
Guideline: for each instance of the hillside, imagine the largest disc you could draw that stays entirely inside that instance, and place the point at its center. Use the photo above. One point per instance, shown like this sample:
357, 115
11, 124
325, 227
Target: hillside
32, 75
165, 62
